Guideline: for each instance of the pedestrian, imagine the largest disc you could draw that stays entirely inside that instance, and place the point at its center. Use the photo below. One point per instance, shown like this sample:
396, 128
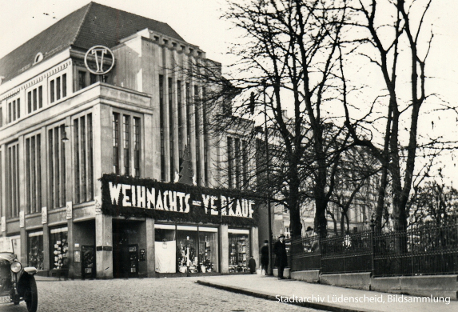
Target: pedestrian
252, 265
265, 257
281, 258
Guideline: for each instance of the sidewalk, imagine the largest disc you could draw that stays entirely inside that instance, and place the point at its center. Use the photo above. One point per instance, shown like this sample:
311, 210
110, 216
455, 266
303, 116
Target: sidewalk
324, 297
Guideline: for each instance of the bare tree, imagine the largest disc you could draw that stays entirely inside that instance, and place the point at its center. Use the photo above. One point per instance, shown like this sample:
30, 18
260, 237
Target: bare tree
398, 46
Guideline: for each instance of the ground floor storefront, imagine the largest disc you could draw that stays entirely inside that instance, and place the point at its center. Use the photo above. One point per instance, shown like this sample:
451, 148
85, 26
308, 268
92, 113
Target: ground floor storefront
142, 228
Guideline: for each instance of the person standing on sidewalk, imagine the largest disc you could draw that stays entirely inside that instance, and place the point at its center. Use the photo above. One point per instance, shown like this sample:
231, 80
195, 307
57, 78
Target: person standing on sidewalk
281, 258
265, 257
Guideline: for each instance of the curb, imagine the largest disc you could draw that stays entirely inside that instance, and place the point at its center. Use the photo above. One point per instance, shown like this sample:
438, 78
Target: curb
248, 292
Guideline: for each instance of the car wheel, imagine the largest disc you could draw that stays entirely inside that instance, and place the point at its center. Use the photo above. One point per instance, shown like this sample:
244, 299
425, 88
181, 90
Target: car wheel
31, 295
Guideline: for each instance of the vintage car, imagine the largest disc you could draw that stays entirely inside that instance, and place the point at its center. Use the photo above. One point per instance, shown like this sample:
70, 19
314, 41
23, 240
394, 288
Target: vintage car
17, 282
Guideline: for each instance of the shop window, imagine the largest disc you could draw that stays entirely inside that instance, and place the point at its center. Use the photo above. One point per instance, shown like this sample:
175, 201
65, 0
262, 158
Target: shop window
165, 248
208, 249
59, 248
188, 249
187, 256
35, 250
239, 250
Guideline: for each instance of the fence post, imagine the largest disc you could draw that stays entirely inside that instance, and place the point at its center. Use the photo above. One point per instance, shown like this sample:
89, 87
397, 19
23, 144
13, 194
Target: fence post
372, 247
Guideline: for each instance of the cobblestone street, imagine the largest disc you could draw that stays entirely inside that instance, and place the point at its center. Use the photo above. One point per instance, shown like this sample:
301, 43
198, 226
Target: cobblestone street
164, 294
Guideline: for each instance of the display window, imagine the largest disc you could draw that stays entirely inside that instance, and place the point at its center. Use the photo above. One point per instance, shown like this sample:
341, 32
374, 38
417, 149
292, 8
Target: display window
239, 250
59, 248
208, 251
165, 248
35, 250
189, 249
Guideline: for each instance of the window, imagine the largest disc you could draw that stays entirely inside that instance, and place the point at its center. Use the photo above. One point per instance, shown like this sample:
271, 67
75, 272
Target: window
116, 143
205, 133
58, 238
180, 121
126, 143
81, 80
35, 99
33, 172
162, 116
14, 109
129, 139
188, 113
238, 162
85, 79
57, 176
12, 179
137, 147
171, 130
197, 126
58, 88
35, 250
83, 162
230, 165
239, 250
237, 155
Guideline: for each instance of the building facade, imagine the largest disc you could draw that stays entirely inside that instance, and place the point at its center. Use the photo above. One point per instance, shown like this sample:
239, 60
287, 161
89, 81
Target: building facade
108, 165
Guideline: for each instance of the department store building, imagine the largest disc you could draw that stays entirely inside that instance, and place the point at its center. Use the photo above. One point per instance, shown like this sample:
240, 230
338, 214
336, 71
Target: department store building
108, 165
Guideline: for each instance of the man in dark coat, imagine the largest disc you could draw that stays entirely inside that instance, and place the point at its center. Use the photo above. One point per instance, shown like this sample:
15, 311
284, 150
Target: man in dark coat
281, 258
265, 257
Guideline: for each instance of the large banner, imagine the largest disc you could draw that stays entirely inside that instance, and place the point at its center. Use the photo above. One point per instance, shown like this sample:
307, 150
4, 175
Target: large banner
131, 197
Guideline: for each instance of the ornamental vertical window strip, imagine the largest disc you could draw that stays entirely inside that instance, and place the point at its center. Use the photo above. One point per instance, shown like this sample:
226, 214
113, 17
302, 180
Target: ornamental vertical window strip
161, 125
180, 121
58, 88
40, 97
238, 162
29, 102
51, 167
38, 157
90, 158
230, 163
171, 129
18, 108
188, 114
116, 143
33, 174
52, 91
245, 163
83, 158
137, 144
76, 163
126, 143
14, 110
28, 181
63, 179
64, 85
205, 133
56, 168
197, 131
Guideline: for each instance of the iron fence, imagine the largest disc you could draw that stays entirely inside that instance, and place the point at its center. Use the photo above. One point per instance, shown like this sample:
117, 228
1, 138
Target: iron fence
422, 249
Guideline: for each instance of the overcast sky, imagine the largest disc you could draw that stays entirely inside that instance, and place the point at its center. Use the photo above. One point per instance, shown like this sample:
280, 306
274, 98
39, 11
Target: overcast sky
199, 23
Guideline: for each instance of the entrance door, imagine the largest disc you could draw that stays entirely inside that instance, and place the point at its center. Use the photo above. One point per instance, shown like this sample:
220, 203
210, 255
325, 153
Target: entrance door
133, 260
88, 262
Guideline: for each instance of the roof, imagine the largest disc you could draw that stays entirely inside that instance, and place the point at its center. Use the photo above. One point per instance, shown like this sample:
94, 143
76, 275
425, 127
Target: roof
93, 24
